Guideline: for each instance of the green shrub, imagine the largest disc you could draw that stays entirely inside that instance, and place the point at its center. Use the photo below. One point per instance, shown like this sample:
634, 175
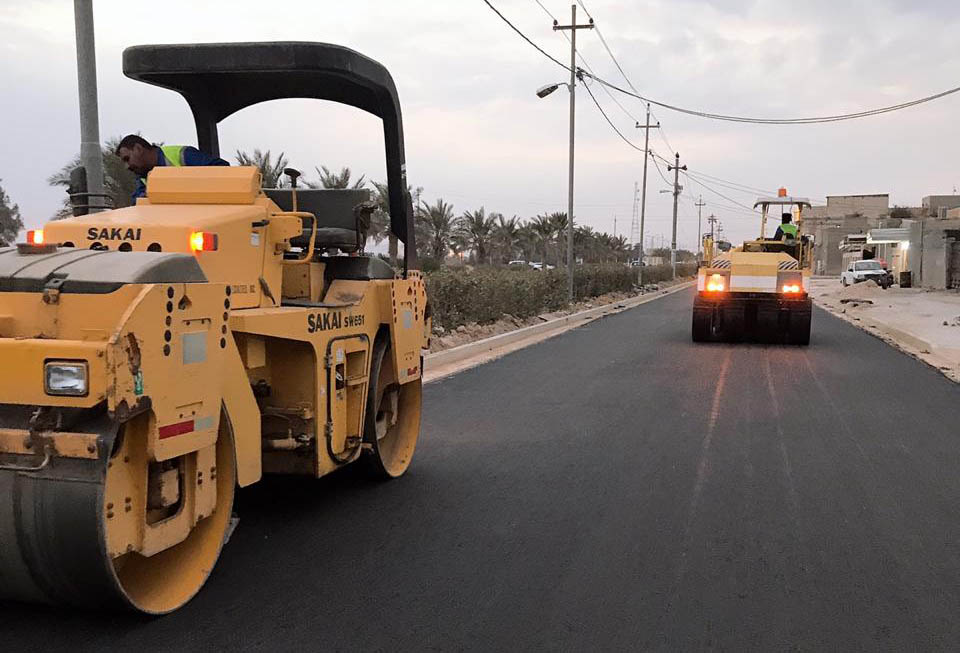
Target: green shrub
661, 273
483, 295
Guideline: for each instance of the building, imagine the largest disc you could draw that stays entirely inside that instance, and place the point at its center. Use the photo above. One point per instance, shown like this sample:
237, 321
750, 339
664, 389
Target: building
841, 216
937, 206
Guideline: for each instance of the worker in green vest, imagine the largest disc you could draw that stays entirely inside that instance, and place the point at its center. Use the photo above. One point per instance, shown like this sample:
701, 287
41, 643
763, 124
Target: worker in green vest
787, 230
140, 156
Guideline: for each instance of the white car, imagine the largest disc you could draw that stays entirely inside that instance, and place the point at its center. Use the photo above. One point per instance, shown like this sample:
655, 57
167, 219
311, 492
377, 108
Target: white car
859, 271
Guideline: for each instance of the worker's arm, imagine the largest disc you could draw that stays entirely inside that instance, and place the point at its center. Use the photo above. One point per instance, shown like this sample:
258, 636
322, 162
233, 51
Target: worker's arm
779, 234
194, 157
139, 191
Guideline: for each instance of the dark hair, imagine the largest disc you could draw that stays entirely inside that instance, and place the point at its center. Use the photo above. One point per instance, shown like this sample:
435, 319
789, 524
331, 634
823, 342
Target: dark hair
130, 140
786, 217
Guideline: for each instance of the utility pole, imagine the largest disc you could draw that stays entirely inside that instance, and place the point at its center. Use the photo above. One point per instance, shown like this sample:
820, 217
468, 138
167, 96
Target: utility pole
572, 27
676, 168
643, 197
712, 220
700, 204
90, 153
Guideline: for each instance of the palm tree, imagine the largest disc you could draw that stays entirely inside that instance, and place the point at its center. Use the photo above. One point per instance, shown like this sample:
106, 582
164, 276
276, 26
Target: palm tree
543, 228
559, 222
504, 236
380, 220
474, 228
435, 227
329, 179
585, 242
118, 182
527, 241
621, 248
270, 171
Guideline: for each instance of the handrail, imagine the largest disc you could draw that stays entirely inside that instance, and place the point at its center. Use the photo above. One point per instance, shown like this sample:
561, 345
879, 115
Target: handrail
313, 235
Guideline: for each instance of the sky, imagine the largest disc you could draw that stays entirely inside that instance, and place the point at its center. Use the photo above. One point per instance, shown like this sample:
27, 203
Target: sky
476, 133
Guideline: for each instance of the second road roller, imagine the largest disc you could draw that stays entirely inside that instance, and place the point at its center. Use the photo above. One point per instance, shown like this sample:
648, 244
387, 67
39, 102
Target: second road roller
758, 291
157, 357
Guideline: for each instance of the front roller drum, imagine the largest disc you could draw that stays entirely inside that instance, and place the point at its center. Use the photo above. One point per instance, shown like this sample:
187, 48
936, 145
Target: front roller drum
56, 524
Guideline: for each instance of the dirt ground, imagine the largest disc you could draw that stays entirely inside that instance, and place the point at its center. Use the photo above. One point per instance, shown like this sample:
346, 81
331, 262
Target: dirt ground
443, 339
923, 322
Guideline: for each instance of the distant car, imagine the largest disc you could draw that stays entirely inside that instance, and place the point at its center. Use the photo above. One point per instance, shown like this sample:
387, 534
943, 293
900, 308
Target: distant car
858, 271
512, 263
540, 266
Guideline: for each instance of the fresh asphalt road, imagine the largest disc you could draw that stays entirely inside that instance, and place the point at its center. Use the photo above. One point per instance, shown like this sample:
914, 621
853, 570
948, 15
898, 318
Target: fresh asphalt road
615, 487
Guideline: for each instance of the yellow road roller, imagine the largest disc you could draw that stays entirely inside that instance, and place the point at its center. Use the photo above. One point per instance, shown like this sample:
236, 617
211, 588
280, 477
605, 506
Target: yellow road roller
758, 291
156, 357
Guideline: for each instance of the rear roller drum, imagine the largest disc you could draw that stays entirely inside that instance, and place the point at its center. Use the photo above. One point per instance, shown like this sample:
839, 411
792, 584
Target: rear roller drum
392, 422
702, 326
800, 328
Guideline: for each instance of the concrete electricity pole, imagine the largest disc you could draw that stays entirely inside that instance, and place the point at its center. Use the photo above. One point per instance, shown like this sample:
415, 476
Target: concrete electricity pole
90, 153
643, 197
712, 220
700, 204
572, 27
676, 197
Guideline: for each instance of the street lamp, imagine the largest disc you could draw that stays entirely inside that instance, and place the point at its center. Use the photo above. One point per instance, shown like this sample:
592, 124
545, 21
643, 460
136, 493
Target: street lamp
543, 92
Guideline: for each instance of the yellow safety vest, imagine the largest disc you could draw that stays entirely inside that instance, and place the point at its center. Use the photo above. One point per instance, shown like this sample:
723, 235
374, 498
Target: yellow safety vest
789, 230
173, 154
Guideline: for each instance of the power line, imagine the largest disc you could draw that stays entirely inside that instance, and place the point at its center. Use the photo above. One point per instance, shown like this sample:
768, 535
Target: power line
732, 118
587, 65
716, 192
525, 38
733, 186
727, 182
607, 118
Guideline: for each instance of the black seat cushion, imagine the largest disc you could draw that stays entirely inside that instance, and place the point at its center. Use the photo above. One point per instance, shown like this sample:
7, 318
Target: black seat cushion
337, 224
357, 268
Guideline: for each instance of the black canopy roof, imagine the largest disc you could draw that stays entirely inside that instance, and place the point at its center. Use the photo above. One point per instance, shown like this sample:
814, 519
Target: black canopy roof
219, 79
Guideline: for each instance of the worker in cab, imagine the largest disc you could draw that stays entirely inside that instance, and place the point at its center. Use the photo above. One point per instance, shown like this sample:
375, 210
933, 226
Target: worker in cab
140, 156
787, 230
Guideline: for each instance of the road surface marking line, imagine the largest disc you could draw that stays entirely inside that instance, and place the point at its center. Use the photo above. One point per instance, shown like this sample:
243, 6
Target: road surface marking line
703, 471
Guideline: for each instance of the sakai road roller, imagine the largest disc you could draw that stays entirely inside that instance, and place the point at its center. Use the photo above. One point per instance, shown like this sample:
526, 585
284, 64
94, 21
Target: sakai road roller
757, 291
156, 357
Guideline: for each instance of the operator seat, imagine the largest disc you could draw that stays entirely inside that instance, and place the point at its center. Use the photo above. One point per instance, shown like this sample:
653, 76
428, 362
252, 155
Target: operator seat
341, 222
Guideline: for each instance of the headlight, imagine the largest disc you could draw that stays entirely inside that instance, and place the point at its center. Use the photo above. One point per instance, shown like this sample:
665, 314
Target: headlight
65, 378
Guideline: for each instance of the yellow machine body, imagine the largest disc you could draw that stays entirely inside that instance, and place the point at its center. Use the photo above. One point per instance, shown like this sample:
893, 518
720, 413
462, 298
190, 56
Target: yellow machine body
757, 291
158, 356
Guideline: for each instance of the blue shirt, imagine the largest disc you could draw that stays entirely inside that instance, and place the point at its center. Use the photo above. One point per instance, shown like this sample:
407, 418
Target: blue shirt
191, 157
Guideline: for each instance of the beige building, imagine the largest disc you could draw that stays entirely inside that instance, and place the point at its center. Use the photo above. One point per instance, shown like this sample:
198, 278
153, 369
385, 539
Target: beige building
939, 206
841, 216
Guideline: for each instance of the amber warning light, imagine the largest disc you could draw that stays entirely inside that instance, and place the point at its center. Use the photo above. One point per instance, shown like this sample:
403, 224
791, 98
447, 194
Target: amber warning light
35, 237
715, 284
203, 241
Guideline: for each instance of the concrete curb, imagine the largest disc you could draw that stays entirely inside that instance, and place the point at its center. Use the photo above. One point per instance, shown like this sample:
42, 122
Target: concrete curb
482, 349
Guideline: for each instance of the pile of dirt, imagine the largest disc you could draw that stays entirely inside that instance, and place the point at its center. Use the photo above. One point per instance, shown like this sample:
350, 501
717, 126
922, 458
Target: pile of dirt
867, 290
